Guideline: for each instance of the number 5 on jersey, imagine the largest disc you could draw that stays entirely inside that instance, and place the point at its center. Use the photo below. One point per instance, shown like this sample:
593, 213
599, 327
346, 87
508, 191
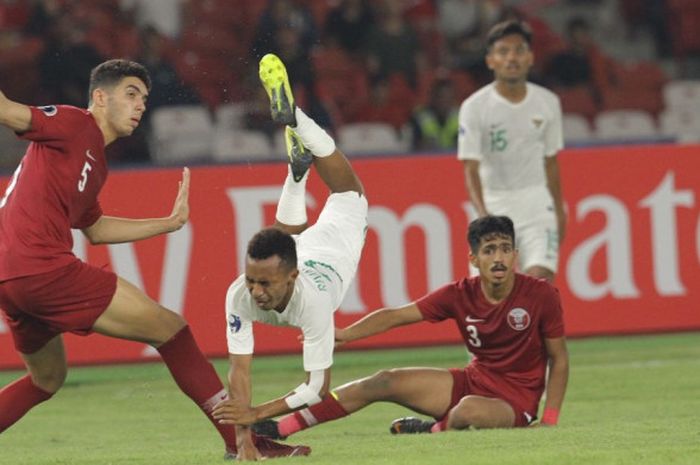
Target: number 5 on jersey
82, 182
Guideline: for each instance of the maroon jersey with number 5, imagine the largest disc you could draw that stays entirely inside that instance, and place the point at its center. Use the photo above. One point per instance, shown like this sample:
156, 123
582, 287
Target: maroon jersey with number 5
506, 339
54, 189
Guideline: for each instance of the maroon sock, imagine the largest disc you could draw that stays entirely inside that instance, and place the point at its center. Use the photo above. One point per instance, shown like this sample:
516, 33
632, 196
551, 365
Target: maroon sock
18, 398
326, 410
197, 378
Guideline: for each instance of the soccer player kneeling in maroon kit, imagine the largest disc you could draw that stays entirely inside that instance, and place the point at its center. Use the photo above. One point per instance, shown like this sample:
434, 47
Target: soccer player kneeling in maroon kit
510, 322
45, 290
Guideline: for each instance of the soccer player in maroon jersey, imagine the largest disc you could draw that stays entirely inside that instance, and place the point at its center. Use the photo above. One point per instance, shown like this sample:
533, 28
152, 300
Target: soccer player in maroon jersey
45, 290
510, 322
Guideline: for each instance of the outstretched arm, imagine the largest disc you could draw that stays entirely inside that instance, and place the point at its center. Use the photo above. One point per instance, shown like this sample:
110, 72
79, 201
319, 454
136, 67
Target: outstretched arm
239, 411
379, 321
15, 116
239, 389
557, 379
112, 230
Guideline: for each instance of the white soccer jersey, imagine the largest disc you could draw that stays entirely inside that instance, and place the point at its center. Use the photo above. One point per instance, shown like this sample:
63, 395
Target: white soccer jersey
309, 309
327, 257
510, 140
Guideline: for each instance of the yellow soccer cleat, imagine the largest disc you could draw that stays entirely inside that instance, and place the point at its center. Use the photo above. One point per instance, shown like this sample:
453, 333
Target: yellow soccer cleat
273, 76
300, 158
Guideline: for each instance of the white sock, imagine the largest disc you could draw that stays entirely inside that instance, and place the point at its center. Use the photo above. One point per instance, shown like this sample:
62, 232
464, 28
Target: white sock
314, 137
291, 208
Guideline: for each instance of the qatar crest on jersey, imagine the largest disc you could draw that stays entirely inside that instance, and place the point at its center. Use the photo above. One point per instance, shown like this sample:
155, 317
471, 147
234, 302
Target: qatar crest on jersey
518, 319
49, 110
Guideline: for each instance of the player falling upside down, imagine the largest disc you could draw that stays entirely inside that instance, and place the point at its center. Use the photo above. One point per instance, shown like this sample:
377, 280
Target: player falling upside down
295, 275
45, 290
510, 322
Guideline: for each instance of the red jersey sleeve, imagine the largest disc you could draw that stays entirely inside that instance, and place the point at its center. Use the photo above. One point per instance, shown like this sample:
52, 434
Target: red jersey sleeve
552, 320
436, 306
89, 217
55, 126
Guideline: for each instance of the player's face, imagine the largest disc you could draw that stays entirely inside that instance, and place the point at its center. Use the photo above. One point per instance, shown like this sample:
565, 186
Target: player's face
270, 283
495, 259
510, 59
126, 103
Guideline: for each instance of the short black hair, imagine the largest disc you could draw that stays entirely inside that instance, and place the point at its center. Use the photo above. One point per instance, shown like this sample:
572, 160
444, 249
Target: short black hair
489, 225
506, 28
269, 242
111, 72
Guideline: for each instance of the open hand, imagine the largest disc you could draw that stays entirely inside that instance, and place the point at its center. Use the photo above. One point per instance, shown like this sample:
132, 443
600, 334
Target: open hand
181, 208
231, 412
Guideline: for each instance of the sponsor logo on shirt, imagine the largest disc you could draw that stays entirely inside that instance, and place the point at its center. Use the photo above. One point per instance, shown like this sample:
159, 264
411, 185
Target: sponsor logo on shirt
537, 122
518, 319
319, 272
49, 110
88, 153
234, 323
469, 319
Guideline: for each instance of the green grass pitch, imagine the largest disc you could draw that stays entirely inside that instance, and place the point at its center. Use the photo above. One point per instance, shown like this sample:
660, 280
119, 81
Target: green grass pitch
631, 400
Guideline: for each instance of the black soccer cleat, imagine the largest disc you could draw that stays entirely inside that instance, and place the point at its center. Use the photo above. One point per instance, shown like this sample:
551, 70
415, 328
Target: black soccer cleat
267, 429
410, 425
300, 158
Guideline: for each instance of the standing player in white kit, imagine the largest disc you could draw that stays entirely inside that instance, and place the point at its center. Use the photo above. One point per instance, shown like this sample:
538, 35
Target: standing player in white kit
510, 132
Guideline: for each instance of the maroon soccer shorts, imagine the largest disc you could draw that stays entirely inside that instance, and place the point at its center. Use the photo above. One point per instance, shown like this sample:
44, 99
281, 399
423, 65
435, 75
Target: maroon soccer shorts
68, 299
470, 381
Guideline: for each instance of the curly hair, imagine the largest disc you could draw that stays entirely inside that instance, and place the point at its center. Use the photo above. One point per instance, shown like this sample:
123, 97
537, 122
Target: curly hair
269, 242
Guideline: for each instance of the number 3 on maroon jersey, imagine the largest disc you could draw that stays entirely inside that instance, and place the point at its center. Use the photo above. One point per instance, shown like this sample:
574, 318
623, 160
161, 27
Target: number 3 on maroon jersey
473, 336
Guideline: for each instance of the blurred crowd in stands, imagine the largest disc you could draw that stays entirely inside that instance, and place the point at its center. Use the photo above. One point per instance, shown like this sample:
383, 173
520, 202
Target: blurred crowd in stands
402, 64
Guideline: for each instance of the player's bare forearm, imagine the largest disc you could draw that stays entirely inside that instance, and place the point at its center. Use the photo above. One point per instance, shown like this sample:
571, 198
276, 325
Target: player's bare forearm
306, 394
474, 187
237, 411
113, 230
378, 322
558, 373
15, 116
271, 409
237, 406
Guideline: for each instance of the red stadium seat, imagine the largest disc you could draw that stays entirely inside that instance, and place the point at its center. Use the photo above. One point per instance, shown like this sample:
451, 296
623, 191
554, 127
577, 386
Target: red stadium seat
632, 99
579, 100
684, 23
